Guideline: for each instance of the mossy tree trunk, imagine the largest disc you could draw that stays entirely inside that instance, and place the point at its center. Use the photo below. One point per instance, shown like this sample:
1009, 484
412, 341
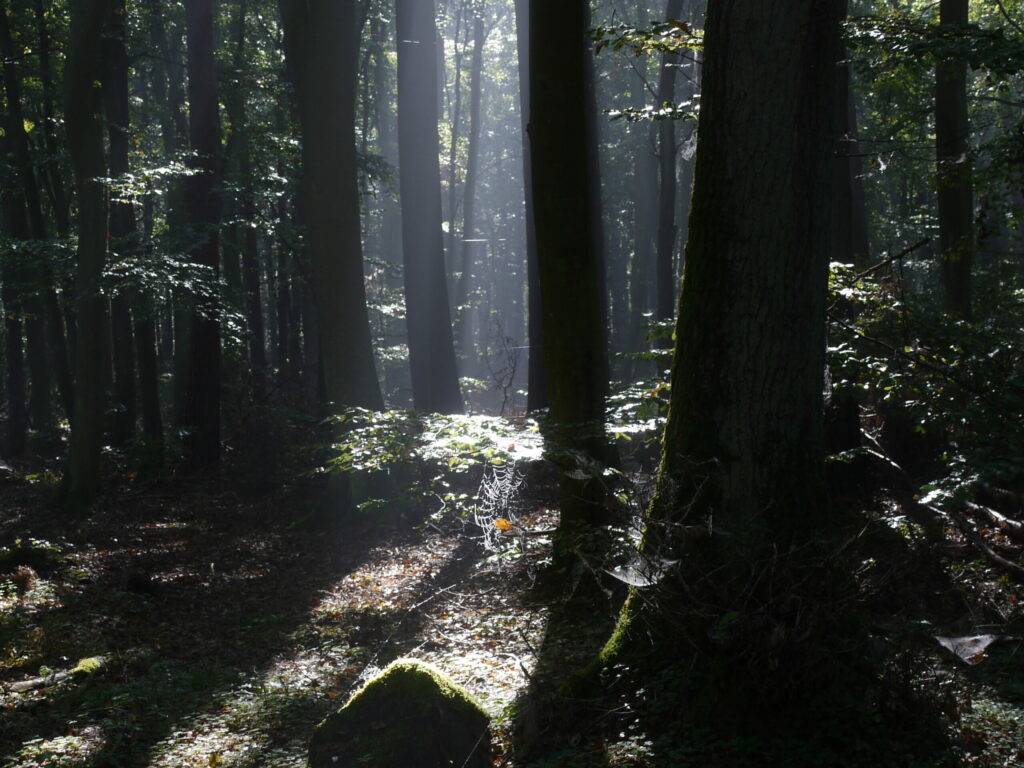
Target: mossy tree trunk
740, 501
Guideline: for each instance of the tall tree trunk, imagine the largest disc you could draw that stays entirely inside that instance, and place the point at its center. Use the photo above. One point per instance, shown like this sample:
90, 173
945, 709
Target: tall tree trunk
455, 120
645, 222
202, 403
32, 274
55, 181
287, 363
667, 152
849, 213
243, 234
435, 385
83, 103
396, 373
57, 334
536, 389
15, 445
322, 39
148, 361
16, 440
953, 155
741, 490
462, 300
123, 237
569, 252
168, 77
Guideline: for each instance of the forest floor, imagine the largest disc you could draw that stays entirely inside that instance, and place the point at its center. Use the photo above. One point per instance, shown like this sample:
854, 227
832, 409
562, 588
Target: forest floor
227, 627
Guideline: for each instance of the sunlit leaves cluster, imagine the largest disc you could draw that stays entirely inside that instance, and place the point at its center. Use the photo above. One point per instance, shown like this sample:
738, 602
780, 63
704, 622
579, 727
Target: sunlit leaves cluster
963, 381
901, 36
374, 441
686, 110
664, 37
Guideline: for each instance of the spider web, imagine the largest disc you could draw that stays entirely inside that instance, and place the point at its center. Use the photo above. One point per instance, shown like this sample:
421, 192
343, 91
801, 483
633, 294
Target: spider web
499, 499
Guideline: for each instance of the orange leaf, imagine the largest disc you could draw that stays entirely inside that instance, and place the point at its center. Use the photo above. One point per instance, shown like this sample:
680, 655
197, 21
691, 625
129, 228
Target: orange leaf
502, 524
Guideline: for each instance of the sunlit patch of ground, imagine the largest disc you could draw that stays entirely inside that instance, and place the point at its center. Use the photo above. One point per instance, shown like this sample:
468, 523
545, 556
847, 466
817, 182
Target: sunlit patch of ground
75, 749
473, 624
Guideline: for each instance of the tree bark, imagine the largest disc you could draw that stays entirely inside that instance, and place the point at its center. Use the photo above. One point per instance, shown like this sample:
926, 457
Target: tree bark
168, 77
435, 385
15, 444
569, 252
953, 155
147, 355
55, 182
455, 120
536, 396
243, 234
462, 300
667, 181
123, 236
741, 491
202, 199
849, 214
322, 40
32, 274
83, 104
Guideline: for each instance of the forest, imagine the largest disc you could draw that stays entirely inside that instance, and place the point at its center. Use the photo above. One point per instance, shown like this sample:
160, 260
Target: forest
511, 383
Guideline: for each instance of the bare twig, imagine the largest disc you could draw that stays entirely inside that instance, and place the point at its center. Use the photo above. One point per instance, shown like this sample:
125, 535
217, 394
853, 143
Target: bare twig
891, 258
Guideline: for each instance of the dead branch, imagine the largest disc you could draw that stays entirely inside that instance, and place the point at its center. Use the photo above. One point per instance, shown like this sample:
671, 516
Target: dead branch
978, 541
39, 682
1013, 528
891, 258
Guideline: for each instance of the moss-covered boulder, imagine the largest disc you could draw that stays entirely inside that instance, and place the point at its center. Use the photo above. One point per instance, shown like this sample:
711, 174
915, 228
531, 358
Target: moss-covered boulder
411, 715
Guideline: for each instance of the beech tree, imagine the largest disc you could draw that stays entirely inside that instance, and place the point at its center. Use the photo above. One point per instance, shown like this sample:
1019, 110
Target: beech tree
571, 279
322, 37
955, 190
435, 385
667, 182
83, 103
737, 525
536, 387
202, 200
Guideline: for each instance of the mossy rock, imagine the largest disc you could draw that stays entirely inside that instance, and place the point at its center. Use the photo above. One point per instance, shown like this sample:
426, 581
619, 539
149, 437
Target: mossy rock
411, 715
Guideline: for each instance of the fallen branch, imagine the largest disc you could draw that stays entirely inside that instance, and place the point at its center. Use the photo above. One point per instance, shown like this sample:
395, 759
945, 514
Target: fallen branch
976, 539
909, 499
84, 668
39, 682
1014, 528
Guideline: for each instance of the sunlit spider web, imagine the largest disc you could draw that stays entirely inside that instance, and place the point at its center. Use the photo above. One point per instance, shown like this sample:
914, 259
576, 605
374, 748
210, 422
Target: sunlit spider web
496, 513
